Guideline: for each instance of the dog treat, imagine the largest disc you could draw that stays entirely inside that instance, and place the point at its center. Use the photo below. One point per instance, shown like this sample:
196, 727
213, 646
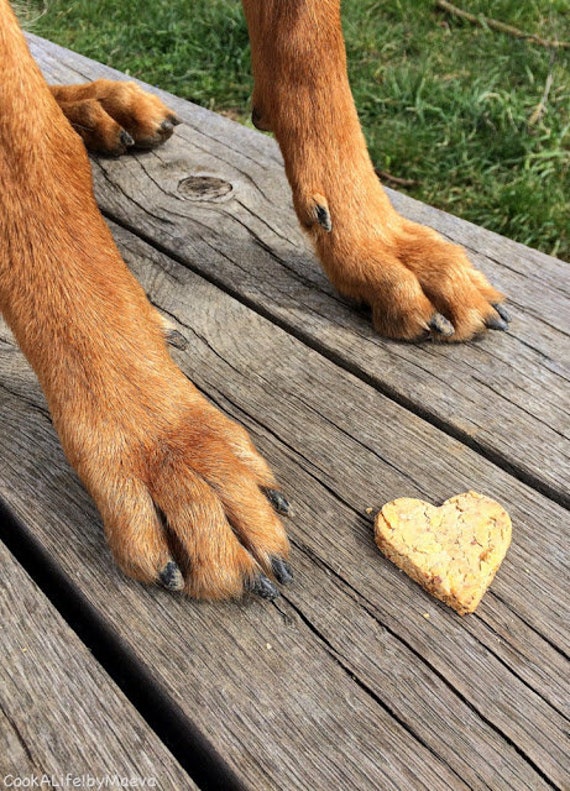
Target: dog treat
452, 551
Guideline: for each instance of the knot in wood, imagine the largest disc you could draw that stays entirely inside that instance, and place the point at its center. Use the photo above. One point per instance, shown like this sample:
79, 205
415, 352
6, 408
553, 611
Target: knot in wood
204, 188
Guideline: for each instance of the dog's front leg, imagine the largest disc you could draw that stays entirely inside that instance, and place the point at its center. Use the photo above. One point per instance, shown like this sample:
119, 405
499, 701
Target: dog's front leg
180, 487
415, 281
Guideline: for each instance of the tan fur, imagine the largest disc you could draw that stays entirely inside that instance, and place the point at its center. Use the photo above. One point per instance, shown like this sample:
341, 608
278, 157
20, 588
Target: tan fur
144, 441
404, 271
101, 112
174, 478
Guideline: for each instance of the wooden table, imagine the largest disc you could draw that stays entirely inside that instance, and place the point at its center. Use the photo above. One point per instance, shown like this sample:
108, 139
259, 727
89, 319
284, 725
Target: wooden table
354, 678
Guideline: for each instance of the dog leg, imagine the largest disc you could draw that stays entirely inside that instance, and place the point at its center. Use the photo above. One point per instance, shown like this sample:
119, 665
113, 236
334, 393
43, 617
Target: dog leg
416, 282
186, 500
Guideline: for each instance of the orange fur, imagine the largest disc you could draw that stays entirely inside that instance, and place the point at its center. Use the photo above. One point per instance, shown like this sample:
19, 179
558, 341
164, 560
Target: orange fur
180, 487
111, 116
404, 271
174, 479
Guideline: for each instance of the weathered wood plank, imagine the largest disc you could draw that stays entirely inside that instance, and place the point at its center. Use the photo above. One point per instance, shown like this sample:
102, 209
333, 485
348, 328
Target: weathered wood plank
377, 694
61, 718
507, 395
349, 422
346, 665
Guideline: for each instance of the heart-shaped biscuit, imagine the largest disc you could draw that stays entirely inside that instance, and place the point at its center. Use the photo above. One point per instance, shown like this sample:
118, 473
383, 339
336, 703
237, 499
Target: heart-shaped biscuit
452, 551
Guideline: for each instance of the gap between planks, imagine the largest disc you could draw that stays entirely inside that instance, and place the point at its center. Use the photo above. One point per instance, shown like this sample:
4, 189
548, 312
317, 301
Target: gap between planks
523, 474
187, 744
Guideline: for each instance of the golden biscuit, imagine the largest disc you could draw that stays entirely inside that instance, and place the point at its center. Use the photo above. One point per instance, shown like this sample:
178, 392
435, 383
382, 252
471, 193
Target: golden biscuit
452, 551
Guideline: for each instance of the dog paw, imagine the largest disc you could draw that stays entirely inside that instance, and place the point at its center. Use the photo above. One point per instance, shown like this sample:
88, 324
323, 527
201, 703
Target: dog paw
418, 284
188, 503
112, 117
437, 293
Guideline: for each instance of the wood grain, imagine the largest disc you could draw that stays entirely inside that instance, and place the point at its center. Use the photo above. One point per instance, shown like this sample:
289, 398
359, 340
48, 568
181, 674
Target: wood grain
355, 678
61, 717
351, 654
506, 395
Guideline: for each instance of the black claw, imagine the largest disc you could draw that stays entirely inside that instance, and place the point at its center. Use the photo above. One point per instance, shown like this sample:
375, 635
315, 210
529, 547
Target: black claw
496, 323
323, 217
174, 119
277, 500
282, 571
441, 325
126, 138
502, 311
171, 577
262, 586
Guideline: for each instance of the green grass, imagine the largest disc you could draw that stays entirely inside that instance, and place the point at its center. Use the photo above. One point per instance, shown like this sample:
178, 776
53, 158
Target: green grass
443, 103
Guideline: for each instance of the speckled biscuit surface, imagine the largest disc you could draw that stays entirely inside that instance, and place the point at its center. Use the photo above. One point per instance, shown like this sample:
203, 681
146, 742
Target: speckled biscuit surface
453, 551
